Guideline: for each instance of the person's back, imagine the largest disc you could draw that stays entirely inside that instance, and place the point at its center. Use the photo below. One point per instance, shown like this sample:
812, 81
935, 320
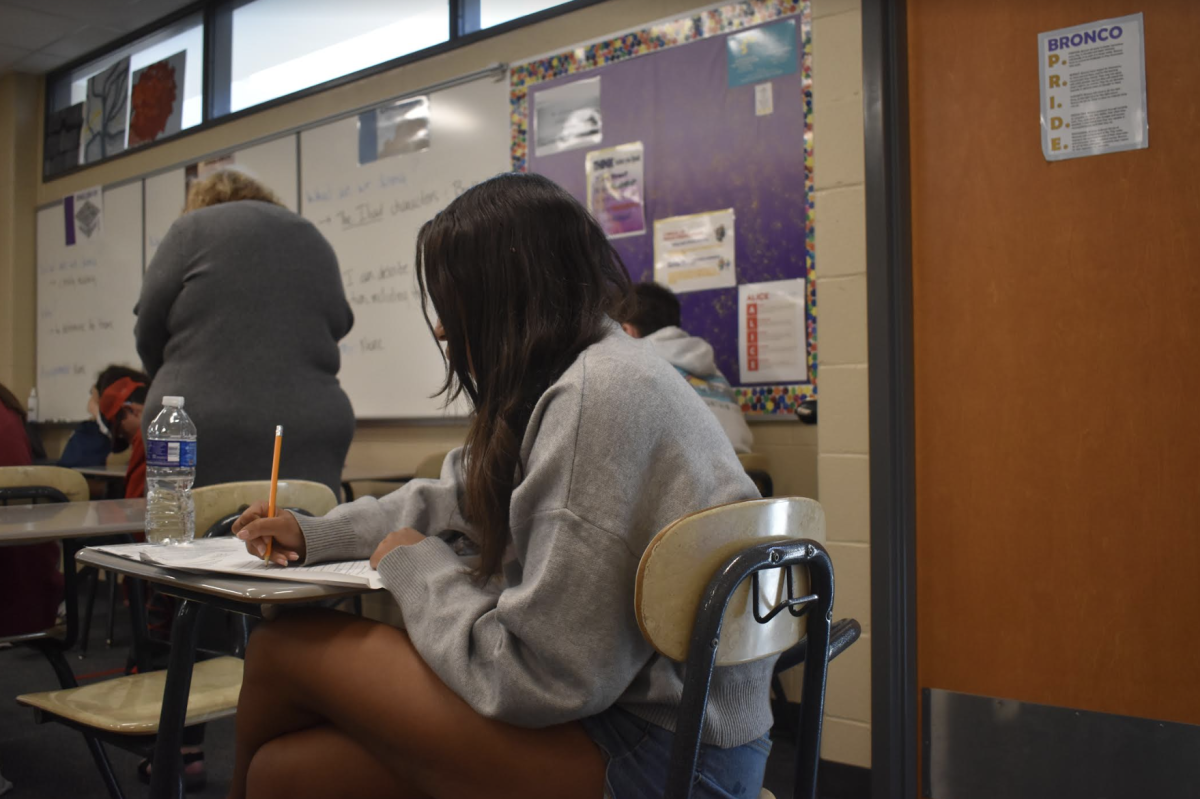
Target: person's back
656, 318
30, 583
241, 311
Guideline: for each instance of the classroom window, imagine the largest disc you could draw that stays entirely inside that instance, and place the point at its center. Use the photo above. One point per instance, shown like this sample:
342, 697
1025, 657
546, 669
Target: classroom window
495, 12
284, 46
186, 36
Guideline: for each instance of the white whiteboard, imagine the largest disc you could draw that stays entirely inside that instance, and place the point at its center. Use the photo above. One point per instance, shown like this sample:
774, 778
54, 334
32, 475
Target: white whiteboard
272, 163
371, 214
85, 298
165, 196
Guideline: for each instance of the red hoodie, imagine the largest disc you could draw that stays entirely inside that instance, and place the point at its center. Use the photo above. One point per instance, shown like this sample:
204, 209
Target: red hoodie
30, 583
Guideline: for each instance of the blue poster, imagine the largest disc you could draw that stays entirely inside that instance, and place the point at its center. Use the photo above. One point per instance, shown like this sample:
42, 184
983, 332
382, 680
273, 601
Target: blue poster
762, 53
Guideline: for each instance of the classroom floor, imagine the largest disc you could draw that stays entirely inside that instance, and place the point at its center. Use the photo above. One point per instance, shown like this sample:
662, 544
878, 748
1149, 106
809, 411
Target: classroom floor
49, 761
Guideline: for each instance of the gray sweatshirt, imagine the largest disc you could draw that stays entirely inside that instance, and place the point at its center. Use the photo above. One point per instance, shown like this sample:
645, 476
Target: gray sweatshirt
693, 357
615, 450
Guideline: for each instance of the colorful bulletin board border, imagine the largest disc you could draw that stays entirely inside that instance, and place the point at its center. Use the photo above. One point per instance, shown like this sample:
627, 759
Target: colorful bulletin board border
716, 21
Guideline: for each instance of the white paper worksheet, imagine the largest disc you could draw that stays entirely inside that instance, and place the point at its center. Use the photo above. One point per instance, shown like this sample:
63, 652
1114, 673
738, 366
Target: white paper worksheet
228, 555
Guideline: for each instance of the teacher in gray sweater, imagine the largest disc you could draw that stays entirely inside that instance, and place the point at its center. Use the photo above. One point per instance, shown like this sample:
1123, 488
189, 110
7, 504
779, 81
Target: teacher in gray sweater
241, 311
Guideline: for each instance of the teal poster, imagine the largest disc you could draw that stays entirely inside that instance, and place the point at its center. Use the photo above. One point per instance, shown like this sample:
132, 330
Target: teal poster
762, 53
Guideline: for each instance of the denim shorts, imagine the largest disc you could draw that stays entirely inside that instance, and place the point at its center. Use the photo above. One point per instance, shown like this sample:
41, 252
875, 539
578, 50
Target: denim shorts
639, 756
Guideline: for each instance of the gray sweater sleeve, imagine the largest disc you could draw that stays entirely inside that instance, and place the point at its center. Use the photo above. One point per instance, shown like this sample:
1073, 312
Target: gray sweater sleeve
548, 650
352, 531
160, 286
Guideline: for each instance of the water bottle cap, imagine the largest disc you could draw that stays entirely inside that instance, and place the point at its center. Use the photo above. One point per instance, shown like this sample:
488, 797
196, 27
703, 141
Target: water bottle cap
172, 402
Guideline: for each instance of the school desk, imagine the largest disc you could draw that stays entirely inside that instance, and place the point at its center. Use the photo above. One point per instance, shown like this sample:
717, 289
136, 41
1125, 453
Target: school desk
248, 596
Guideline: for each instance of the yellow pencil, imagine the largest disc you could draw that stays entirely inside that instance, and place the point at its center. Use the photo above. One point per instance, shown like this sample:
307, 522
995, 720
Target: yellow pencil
274, 484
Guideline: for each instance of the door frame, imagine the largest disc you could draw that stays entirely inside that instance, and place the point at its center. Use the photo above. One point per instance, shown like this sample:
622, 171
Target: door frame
894, 753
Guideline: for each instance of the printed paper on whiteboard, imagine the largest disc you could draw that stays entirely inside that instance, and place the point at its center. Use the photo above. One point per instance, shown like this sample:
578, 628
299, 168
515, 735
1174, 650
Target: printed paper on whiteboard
772, 339
695, 252
83, 214
1093, 89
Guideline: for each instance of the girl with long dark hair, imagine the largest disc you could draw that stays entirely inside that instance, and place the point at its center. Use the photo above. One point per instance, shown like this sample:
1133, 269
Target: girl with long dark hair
521, 673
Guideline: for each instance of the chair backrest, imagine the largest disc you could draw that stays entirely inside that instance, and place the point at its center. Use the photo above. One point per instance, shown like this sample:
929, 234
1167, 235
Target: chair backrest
71, 483
215, 502
431, 467
680, 561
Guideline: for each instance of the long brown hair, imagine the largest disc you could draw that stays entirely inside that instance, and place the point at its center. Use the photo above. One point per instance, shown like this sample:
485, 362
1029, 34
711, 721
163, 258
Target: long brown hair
523, 280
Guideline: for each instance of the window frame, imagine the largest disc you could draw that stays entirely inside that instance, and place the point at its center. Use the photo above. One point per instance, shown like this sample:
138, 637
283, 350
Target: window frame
217, 21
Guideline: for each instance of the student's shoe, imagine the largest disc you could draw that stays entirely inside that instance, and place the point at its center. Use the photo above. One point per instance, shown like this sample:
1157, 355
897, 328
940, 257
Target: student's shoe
194, 778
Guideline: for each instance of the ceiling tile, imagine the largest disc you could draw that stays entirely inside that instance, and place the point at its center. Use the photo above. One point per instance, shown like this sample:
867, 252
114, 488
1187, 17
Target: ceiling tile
25, 27
9, 56
39, 62
121, 15
82, 41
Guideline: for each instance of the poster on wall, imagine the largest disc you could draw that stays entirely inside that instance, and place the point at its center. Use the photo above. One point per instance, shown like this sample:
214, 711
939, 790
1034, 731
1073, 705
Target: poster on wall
1093, 89
105, 112
772, 342
396, 128
695, 252
156, 100
762, 53
83, 215
567, 117
615, 189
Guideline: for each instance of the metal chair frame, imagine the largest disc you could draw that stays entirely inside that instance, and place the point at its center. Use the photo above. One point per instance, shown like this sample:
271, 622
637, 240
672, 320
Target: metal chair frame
816, 649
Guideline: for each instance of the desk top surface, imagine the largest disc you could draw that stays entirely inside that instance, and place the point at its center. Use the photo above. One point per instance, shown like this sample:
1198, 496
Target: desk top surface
30, 524
225, 586
108, 472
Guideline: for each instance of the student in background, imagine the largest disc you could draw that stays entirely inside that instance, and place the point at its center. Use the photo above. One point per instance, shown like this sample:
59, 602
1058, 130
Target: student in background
527, 677
90, 444
241, 311
655, 317
30, 582
121, 404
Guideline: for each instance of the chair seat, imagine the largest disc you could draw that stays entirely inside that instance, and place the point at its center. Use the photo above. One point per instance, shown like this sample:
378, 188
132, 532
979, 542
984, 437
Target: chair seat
131, 705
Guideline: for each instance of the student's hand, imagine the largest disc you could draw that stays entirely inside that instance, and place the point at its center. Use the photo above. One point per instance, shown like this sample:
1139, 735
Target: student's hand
254, 527
400, 538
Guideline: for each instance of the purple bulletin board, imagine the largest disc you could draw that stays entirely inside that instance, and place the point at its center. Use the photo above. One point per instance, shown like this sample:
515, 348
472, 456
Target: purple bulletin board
667, 87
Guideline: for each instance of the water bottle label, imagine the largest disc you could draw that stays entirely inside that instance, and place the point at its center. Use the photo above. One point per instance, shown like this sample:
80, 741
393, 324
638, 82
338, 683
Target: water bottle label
171, 453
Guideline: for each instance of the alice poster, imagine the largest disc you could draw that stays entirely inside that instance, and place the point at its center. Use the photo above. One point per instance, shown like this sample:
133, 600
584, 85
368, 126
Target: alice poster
616, 189
772, 332
695, 252
105, 112
156, 100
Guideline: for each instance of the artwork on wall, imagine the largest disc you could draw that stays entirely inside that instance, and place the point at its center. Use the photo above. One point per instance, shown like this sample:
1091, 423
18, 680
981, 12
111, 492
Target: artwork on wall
156, 100
106, 112
60, 148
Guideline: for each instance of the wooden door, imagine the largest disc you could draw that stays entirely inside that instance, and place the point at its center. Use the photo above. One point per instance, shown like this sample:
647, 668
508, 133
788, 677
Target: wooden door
1057, 371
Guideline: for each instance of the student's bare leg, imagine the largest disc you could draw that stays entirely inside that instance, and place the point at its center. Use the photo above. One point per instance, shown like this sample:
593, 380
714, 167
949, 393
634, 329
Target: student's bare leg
366, 680
320, 762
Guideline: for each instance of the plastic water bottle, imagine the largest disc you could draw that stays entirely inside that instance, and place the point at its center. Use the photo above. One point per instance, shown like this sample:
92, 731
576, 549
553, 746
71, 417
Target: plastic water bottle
31, 407
170, 472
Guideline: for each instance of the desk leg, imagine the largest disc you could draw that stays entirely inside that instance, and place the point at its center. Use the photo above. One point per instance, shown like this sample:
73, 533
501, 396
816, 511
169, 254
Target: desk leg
166, 777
